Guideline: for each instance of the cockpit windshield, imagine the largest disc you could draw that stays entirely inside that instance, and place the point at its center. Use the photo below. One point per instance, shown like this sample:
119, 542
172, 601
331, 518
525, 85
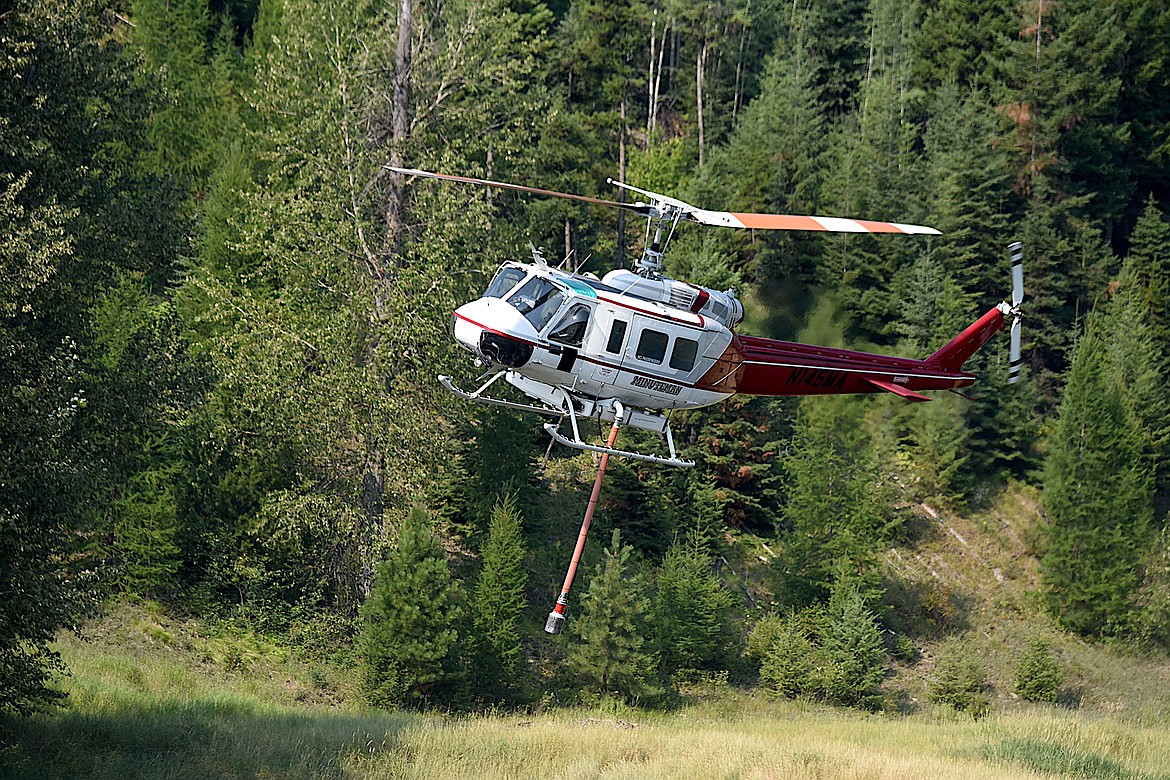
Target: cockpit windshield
508, 277
538, 300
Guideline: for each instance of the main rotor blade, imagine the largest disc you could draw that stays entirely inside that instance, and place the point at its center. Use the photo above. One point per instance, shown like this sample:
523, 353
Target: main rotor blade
795, 222
640, 208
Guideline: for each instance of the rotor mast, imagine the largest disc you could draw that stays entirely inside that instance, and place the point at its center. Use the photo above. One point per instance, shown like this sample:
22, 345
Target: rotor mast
663, 215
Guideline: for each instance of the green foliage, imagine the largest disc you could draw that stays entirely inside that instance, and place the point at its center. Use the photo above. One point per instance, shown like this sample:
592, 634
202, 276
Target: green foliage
959, 681
852, 642
790, 662
1098, 496
218, 349
498, 603
1038, 674
832, 653
78, 214
610, 649
409, 624
834, 518
691, 610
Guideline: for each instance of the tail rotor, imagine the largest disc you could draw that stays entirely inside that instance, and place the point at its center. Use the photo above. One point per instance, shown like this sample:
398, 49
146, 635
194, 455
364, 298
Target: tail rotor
1017, 252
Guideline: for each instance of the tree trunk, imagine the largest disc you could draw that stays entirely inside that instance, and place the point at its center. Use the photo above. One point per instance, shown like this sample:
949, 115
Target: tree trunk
700, 58
621, 247
399, 125
650, 97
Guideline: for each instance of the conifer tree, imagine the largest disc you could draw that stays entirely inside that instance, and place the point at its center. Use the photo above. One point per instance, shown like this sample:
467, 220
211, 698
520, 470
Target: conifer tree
1097, 495
610, 649
409, 633
499, 602
691, 610
1037, 674
852, 641
833, 515
1144, 299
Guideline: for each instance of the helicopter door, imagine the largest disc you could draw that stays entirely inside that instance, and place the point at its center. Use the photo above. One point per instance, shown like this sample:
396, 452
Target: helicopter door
660, 357
570, 332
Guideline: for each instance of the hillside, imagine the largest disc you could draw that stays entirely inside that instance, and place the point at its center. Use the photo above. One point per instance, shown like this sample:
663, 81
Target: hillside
155, 697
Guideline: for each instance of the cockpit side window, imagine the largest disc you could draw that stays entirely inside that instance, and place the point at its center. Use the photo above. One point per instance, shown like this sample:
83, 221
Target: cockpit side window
507, 278
571, 329
538, 300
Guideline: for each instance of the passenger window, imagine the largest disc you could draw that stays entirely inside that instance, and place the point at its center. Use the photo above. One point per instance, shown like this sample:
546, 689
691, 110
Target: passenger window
571, 329
683, 356
617, 336
652, 346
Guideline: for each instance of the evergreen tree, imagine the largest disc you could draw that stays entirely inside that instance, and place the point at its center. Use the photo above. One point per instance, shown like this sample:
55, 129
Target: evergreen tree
1038, 674
852, 642
498, 603
770, 164
959, 680
1144, 299
959, 40
833, 515
875, 173
408, 637
609, 651
1097, 495
691, 610
790, 664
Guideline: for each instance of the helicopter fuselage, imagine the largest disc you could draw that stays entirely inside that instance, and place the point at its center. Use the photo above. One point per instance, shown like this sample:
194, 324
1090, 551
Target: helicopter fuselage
598, 341
657, 344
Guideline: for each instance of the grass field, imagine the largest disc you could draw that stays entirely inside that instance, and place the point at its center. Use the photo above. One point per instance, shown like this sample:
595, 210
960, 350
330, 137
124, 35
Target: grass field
147, 700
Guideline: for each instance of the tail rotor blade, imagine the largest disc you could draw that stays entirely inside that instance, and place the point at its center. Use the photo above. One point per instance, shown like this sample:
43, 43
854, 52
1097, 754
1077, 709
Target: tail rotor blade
1017, 250
1014, 370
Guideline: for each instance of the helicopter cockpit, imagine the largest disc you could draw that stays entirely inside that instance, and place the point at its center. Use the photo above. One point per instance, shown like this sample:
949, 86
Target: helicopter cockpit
538, 298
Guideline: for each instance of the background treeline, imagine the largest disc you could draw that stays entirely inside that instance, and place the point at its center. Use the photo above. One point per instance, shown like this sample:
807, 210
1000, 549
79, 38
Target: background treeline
220, 321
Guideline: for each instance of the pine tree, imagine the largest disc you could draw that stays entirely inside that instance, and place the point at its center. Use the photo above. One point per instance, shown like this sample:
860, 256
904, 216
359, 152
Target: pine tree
833, 515
610, 651
852, 642
1144, 299
691, 610
409, 632
1097, 495
498, 603
875, 173
1038, 674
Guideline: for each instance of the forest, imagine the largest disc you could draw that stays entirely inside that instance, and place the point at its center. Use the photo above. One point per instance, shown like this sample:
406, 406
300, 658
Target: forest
221, 321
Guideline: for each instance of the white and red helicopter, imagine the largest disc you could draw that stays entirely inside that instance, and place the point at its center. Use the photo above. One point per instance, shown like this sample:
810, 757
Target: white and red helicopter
631, 346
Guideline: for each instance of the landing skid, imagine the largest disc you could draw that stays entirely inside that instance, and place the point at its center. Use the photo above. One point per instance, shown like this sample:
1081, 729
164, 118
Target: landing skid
673, 460
478, 397
566, 407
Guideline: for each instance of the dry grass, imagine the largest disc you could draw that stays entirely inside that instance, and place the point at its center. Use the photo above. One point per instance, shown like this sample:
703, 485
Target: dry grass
779, 741
149, 699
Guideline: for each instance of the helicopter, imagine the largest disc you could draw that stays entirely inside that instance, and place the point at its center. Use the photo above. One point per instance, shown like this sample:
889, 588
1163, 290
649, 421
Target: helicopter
634, 345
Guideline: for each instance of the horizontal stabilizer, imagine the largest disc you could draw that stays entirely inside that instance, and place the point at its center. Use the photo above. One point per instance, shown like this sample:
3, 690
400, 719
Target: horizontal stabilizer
906, 393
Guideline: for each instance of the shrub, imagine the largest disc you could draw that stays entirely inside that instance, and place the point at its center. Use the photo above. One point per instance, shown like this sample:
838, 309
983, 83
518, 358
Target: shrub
1038, 673
959, 682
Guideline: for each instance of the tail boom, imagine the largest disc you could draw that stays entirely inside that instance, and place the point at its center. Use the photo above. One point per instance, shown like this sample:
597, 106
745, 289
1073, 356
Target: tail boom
960, 349
781, 368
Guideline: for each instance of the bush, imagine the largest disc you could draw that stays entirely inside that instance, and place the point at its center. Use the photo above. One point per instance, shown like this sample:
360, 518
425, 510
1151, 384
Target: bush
788, 665
1038, 673
959, 682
